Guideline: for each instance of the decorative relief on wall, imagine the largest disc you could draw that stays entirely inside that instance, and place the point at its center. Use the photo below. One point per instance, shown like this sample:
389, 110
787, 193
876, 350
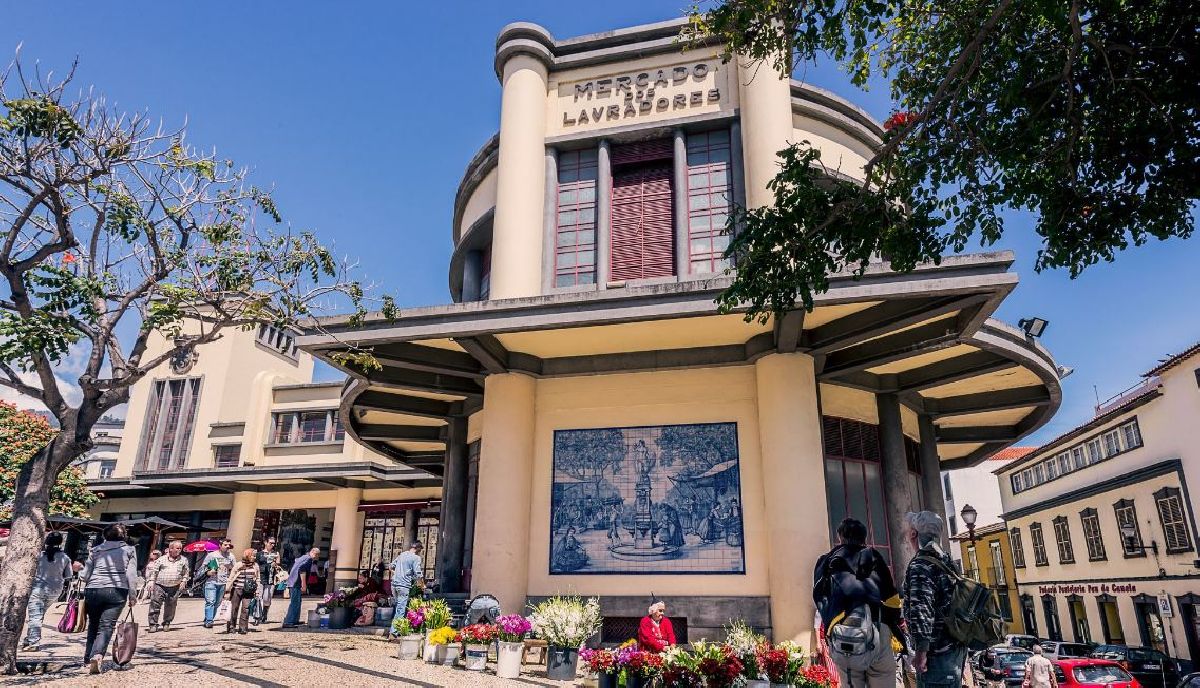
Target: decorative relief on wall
663, 499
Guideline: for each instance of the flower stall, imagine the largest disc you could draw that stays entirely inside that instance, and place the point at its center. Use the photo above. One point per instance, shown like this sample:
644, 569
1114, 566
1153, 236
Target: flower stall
514, 628
477, 639
565, 623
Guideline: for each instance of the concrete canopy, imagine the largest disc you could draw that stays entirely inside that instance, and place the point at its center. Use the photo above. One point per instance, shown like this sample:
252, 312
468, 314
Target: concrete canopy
927, 336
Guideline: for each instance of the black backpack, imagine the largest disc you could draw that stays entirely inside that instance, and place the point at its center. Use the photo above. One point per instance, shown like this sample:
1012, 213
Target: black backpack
853, 639
972, 616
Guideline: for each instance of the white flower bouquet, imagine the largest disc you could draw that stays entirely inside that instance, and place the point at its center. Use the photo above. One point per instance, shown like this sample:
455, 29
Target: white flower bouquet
566, 621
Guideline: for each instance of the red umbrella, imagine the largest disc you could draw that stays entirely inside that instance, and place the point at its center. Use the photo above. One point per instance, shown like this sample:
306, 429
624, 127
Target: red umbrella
201, 546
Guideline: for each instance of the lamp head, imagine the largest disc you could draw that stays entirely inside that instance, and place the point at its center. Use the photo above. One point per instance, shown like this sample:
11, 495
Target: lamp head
969, 514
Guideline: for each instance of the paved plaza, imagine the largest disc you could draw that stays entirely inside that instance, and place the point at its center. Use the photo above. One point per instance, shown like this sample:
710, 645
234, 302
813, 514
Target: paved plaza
191, 655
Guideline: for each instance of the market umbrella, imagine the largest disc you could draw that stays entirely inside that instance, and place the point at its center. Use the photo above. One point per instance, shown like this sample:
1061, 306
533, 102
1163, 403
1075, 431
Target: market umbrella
201, 546
156, 525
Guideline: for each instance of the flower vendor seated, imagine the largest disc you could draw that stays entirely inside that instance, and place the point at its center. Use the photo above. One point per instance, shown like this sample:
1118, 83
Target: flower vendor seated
656, 633
368, 591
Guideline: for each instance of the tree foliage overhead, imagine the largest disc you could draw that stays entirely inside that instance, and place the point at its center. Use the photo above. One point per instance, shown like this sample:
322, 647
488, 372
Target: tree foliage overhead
1085, 112
22, 435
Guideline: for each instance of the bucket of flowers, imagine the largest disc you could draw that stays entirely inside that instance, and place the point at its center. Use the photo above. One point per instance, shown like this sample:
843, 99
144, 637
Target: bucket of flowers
679, 670
640, 667
814, 676
745, 642
565, 623
781, 663
437, 615
603, 663
477, 638
718, 664
408, 628
338, 604
513, 628
445, 643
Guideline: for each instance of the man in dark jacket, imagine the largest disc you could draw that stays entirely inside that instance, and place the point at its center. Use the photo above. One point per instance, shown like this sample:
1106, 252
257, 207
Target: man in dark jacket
851, 581
927, 591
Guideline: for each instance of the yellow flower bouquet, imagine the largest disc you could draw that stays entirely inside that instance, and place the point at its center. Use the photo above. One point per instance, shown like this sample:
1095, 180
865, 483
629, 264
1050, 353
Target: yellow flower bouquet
443, 636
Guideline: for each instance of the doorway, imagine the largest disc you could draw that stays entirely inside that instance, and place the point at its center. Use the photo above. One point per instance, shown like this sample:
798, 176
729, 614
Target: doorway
1050, 611
1150, 623
1079, 619
1028, 615
1110, 620
1188, 608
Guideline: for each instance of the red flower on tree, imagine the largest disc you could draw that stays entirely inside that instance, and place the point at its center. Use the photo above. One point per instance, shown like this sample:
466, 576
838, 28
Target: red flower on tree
899, 119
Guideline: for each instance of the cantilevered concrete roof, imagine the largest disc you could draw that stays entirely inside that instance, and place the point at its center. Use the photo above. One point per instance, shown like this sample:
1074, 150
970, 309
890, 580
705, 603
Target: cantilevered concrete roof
927, 336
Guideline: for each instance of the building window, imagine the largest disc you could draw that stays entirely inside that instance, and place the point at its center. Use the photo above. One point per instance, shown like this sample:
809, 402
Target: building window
1078, 457
1018, 549
1112, 443
575, 238
853, 484
973, 564
1127, 518
1062, 538
170, 418
1005, 603
1174, 524
485, 274
1131, 435
1094, 451
997, 571
1051, 469
1064, 463
1050, 610
307, 427
708, 200
277, 339
949, 494
107, 466
227, 455
1039, 545
1017, 483
1091, 534
643, 227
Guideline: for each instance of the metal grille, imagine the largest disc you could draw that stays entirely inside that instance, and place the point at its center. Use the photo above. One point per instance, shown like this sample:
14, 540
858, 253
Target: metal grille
617, 629
851, 439
643, 151
642, 228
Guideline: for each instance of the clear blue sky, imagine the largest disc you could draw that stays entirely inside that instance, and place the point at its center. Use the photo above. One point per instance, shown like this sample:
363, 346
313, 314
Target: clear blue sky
340, 107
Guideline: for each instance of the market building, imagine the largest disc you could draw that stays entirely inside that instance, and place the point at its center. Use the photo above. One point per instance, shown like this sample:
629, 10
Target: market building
600, 428
1101, 524
986, 556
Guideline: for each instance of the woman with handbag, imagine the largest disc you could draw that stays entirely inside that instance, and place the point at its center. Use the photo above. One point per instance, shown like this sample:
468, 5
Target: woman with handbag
53, 571
241, 590
110, 583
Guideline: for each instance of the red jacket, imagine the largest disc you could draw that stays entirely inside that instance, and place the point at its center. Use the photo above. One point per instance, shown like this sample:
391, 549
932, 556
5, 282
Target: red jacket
653, 638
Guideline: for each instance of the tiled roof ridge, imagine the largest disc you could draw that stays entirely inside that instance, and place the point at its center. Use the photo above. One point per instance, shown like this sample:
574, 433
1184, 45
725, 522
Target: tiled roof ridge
1173, 360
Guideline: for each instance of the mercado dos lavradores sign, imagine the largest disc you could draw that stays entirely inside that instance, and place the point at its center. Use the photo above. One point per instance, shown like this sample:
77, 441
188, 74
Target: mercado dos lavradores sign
639, 95
662, 499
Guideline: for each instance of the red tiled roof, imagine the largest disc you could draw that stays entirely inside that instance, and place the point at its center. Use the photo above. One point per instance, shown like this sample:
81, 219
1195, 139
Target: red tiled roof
1010, 453
1173, 360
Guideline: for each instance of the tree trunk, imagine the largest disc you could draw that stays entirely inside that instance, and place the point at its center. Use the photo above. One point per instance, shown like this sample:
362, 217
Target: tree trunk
19, 564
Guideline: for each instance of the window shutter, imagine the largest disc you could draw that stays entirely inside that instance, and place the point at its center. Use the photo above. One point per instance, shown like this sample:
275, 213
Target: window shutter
643, 151
642, 228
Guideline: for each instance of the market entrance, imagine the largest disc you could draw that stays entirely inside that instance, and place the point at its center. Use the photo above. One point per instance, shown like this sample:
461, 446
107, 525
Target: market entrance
388, 530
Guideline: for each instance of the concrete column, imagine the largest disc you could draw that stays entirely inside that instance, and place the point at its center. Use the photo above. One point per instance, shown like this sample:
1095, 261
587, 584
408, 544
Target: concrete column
454, 508
603, 213
766, 106
472, 502
412, 522
472, 275
789, 427
931, 475
737, 162
550, 220
241, 519
894, 471
679, 197
347, 534
521, 180
501, 551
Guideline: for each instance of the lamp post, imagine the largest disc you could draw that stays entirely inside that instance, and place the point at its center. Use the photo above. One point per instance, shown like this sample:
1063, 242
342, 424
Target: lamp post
969, 514
1129, 536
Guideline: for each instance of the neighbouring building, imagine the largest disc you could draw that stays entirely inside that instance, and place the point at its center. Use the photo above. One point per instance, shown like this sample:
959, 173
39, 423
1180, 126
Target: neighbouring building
976, 486
601, 428
238, 441
1102, 528
988, 559
101, 460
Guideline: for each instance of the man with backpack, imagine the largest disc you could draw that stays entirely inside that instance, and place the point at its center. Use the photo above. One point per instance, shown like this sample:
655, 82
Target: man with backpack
859, 608
944, 611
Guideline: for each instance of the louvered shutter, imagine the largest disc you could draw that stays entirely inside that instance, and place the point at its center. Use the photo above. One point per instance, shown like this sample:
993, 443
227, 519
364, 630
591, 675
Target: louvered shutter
643, 151
1170, 512
642, 228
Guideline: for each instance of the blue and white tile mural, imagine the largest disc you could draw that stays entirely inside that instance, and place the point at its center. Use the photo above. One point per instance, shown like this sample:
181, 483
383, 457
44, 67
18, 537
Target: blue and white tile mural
647, 500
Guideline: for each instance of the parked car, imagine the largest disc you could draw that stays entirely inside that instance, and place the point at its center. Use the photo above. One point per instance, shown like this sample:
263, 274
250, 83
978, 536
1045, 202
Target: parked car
1088, 672
1023, 641
1190, 681
1054, 649
1150, 667
1008, 670
987, 658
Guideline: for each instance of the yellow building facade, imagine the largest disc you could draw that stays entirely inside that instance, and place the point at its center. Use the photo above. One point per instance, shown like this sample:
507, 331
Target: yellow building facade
988, 559
1101, 524
603, 429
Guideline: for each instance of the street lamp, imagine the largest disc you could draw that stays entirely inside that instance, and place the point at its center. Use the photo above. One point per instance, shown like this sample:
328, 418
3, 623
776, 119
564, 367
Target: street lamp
969, 514
1131, 541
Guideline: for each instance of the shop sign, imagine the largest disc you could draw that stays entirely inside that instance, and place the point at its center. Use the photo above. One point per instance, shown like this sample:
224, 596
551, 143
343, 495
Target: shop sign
633, 95
1087, 589
1164, 606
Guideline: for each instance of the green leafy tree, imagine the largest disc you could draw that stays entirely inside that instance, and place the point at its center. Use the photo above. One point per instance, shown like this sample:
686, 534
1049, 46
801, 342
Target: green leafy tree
22, 436
114, 232
1084, 112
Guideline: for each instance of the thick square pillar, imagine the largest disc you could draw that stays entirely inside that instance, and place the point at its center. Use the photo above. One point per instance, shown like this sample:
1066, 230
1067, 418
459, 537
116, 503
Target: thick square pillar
931, 475
789, 426
454, 508
897, 486
347, 535
501, 547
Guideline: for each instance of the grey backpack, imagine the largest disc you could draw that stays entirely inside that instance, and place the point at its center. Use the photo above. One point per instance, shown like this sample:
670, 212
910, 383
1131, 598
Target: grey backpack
853, 639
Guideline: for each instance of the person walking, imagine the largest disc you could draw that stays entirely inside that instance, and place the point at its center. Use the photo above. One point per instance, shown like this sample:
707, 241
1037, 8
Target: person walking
860, 609
407, 571
216, 567
1039, 671
242, 590
166, 581
53, 571
110, 582
297, 585
268, 567
927, 591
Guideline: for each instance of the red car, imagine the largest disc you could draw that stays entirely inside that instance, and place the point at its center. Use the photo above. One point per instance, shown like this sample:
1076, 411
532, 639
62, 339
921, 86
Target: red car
1093, 673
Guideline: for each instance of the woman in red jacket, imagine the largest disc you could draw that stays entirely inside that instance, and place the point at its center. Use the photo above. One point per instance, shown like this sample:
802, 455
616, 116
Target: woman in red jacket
655, 633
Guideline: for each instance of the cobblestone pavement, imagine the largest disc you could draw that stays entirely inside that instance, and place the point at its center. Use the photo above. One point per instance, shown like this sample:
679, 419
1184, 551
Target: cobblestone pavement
191, 655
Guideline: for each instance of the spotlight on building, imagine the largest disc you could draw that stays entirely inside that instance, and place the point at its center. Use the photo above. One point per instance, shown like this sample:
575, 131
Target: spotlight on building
1034, 327
969, 514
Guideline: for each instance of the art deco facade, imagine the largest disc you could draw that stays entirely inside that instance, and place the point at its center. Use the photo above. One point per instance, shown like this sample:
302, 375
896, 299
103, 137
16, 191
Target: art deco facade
598, 426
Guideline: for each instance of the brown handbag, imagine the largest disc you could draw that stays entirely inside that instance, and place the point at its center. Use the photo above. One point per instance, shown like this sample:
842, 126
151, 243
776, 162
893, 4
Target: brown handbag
124, 643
